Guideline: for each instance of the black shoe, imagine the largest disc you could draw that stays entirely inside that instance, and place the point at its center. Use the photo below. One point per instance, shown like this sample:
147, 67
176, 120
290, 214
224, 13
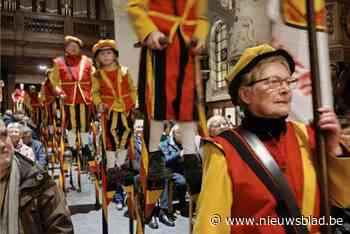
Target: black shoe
157, 172
166, 220
126, 214
153, 223
184, 211
171, 216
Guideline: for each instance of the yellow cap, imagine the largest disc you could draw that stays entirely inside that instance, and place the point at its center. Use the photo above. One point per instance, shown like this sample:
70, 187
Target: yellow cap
104, 45
251, 57
68, 39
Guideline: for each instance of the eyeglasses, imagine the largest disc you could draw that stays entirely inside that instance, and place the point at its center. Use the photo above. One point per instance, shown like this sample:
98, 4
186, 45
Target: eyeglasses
276, 82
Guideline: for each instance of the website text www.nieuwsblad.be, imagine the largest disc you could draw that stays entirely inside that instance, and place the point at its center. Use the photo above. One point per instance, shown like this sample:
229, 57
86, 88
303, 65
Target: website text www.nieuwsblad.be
309, 220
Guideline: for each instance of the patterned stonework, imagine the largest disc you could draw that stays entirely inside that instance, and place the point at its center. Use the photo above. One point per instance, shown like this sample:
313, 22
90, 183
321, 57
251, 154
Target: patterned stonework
250, 27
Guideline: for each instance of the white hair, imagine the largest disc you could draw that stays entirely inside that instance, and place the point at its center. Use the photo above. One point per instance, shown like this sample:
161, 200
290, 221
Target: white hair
15, 126
214, 119
173, 129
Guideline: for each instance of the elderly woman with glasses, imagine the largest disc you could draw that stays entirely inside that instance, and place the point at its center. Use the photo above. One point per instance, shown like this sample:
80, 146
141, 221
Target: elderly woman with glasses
264, 172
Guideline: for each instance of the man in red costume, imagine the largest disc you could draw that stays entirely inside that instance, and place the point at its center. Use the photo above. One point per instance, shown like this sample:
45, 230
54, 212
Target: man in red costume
18, 98
47, 99
71, 81
32, 103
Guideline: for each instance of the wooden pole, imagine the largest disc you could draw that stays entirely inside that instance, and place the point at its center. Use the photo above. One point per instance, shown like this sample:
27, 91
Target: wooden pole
316, 101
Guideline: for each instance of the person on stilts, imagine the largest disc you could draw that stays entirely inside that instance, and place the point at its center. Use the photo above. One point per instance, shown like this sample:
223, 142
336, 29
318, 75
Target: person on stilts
114, 95
71, 81
172, 33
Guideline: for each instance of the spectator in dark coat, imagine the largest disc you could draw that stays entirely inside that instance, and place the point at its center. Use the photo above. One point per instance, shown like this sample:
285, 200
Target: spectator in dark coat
36, 145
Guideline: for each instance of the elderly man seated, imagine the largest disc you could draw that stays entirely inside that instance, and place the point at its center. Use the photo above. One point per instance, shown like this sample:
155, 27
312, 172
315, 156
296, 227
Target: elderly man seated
36, 146
30, 202
15, 131
172, 150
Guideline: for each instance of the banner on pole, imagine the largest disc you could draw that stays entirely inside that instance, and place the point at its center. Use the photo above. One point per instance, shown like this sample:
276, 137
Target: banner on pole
289, 32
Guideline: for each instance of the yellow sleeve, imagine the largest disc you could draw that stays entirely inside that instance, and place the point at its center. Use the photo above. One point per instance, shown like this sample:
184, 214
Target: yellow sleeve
95, 90
215, 197
339, 175
54, 78
202, 27
93, 69
142, 24
91, 63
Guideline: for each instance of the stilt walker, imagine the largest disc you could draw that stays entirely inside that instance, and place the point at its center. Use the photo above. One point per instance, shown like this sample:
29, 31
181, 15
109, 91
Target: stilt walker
33, 105
114, 95
48, 115
18, 99
167, 79
71, 79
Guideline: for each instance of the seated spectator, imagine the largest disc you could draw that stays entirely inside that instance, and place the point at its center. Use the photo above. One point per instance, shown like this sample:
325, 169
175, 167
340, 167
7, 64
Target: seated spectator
36, 146
30, 202
172, 150
26, 121
8, 117
15, 131
19, 115
216, 125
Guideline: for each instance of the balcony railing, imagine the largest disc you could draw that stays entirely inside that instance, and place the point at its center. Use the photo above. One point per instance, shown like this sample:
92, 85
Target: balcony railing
36, 26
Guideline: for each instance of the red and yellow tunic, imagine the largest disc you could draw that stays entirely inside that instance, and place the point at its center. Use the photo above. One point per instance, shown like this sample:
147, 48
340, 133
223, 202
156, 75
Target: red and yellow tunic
48, 102
239, 193
116, 90
71, 76
46, 94
167, 85
33, 105
47, 99
18, 99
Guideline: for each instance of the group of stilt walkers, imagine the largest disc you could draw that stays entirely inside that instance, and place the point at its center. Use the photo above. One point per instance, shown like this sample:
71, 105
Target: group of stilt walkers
84, 99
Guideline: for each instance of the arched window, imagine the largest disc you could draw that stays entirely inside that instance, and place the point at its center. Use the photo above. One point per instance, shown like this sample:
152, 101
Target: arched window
218, 54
